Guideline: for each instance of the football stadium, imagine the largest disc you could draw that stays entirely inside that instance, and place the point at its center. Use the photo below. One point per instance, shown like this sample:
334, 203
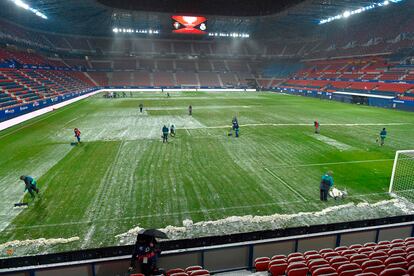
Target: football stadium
186, 138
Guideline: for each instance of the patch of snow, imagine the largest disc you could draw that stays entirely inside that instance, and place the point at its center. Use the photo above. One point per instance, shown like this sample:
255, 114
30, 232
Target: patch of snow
332, 142
37, 242
238, 224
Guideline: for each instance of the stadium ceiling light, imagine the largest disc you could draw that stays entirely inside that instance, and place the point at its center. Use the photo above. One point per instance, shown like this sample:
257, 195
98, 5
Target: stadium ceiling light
347, 14
25, 6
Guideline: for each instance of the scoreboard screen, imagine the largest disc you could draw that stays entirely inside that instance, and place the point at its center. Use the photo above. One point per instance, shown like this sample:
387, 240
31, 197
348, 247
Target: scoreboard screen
183, 24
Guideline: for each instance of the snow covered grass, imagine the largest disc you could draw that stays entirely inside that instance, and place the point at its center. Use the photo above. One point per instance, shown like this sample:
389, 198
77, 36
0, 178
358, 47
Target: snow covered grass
203, 182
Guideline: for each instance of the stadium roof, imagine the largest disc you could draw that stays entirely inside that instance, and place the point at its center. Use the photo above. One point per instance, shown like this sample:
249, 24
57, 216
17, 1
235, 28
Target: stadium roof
282, 18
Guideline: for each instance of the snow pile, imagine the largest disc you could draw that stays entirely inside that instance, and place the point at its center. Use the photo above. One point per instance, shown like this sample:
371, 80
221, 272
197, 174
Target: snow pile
37, 242
249, 223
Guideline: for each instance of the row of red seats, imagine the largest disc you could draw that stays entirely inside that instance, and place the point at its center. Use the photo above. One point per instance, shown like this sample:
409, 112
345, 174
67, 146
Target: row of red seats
194, 270
385, 258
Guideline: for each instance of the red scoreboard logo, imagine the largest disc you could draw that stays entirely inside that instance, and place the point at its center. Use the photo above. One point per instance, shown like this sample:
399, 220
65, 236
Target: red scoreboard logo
183, 24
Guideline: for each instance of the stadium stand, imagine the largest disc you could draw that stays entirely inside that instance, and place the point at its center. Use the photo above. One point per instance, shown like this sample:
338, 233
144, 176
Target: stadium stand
394, 257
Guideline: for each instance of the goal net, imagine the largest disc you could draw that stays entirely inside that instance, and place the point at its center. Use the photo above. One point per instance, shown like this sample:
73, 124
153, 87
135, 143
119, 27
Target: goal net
402, 178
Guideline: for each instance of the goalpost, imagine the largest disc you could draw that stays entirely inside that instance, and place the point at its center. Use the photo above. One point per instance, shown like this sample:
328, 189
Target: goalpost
402, 178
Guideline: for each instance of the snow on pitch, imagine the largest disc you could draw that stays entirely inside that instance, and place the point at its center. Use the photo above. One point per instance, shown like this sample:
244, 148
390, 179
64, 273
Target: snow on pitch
248, 223
126, 125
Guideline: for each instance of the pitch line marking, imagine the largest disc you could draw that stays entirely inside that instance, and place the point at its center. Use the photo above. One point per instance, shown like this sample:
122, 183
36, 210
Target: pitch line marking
300, 124
287, 185
333, 163
186, 129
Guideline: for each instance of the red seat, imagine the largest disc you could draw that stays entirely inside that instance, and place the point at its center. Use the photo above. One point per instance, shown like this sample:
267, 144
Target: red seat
178, 274
375, 269
137, 274
174, 270
348, 252
355, 246
295, 254
278, 269
341, 248
397, 252
366, 274
393, 272
352, 272
323, 271
316, 267
278, 257
327, 250
365, 250
397, 259
409, 249
370, 244
310, 252
261, 259
380, 255
397, 241
192, 268
338, 259
295, 265
401, 265
360, 261
409, 239
384, 248
384, 243
411, 270
329, 255
370, 263
296, 259
262, 265
346, 267
313, 257
275, 262
337, 265
315, 262
201, 272
409, 243
358, 256
398, 245
303, 271
410, 258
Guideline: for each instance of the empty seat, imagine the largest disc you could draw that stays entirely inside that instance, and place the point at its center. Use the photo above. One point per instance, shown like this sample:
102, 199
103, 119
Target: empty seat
295, 254
179, 274
262, 265
315, 262
393, 272
192, 268
384, 243
411, 270
346, 267
295, 266
365, 250
371, 263
360, 261
355, 246
278, 261
397, 241
328, 250
278, 257
341, 248
303, 271
323, 271
329, 255
338, 259
396, 259
397, 252
201, 272
384, 248
400, 265
366, 274
296, 259
278, 269
375, 269
370, 244
409, 239
310, 252
352, 272
337, 265
174, 270
261, 259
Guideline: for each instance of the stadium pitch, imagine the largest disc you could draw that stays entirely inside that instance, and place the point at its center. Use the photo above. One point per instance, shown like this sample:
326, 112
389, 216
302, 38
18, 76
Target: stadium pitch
203, 182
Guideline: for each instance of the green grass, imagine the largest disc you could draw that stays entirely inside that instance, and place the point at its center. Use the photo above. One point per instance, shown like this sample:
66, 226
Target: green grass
123, 176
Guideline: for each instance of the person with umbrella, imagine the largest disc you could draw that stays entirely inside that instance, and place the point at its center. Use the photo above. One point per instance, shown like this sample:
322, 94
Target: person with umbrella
146, 251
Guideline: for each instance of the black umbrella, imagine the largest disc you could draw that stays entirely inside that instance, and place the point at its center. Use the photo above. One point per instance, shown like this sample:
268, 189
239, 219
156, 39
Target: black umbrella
153, 233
